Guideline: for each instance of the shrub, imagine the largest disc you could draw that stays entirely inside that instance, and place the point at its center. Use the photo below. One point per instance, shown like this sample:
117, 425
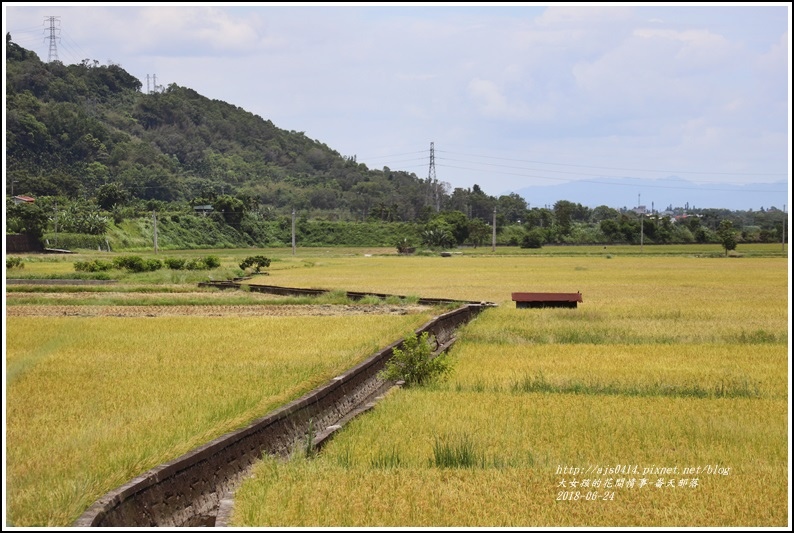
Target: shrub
14, 262
535, 238
97, 265
438, 237
257, 262
152, 265
134, 263
195, 264
213, 261
174, 263
206, 263
414, 363
405, 246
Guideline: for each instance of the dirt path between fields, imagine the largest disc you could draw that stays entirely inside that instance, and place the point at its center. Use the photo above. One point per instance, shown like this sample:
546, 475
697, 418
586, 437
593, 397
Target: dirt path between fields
210, 310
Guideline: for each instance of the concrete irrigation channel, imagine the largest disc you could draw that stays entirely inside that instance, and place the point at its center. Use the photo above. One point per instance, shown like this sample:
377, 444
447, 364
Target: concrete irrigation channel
291, 291
197, 488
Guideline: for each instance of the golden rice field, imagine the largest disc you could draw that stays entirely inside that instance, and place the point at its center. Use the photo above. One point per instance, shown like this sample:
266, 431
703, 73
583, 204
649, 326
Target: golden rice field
672, 362
673, 366
92, 402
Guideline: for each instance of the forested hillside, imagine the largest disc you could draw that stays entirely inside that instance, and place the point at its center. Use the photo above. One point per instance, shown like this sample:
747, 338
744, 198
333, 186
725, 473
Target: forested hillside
72, 129
97, 153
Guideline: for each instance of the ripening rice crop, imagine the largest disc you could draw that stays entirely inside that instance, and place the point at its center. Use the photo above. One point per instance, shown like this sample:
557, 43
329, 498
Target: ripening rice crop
671, 363
480, 459
661, 401
93, 402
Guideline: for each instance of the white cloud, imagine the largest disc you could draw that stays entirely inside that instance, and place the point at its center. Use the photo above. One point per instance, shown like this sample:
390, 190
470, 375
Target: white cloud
657, 73
694, 49
772, 87
492, 102
196, 31
586, 16
775, 62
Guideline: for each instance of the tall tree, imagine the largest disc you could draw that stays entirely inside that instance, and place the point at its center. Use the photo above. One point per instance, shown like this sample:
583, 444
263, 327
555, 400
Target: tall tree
727, 235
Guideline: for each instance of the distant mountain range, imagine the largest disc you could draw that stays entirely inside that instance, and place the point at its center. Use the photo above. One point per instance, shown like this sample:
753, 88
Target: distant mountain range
662, 193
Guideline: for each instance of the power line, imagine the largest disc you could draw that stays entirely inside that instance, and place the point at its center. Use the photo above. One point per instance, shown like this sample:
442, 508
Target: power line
394, 155
599, 175
615, 184
32, 29
641, 182
569, 172
422, 165
71, 46
626, 169
26, 35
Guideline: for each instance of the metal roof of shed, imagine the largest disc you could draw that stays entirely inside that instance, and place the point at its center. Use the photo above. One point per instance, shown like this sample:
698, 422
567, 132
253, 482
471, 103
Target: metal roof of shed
547, 296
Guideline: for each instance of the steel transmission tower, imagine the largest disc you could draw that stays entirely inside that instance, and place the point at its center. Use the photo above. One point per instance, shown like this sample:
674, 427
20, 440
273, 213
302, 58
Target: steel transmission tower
431, 175
432, 182
53, 55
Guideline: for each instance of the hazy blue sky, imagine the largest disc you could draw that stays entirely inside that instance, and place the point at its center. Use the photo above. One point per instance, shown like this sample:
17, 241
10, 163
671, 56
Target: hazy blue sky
512, 96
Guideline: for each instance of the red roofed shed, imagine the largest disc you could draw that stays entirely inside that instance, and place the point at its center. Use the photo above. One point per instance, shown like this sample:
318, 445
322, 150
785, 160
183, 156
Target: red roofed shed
536, 300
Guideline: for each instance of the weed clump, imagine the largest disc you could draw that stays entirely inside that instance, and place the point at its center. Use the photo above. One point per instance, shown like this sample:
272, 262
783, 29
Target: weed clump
460, 454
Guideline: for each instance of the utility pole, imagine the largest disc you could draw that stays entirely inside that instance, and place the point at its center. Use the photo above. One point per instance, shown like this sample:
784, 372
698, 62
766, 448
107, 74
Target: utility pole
493, 238
154, 221
783, 241
293, 232
53, 55
642, 219
56, 223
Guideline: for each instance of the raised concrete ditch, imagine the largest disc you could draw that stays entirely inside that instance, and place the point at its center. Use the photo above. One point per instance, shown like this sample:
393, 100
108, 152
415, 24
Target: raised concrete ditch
353, 295
196, 489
